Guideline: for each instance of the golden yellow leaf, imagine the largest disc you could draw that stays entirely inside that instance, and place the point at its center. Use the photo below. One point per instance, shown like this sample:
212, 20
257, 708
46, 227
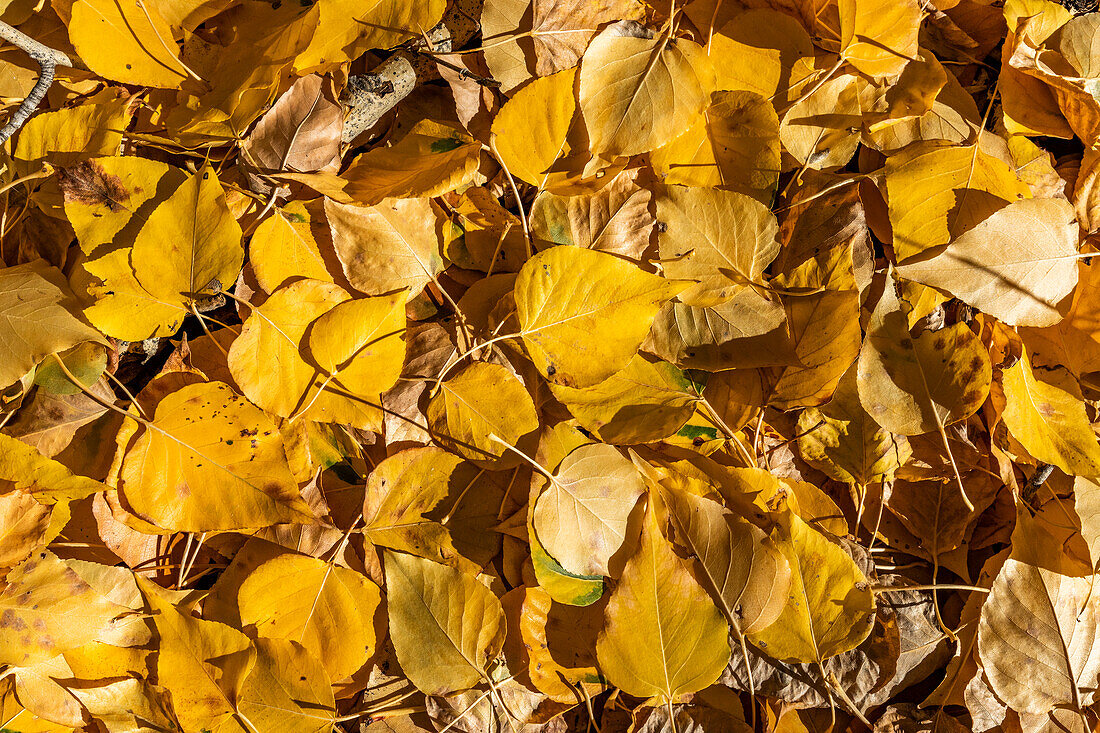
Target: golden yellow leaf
128, 704
127, 41
560, 639
328, 609
47, 480
720, 239
821, 128
757, 50
530, 131
36, 318
582, 517
283, 247
362, 343
124, 308
287, 690
638, 94
663, 637
1037, 639
203, 664
1046, 414
386, 247
735, 145
46, 609
646, 401
445, 626
1016, 265
830, 608
64, 137
915, 384
878, 37
937, 192
583, 314
348, 28
430, 160
209, 460
23, 526
478, 407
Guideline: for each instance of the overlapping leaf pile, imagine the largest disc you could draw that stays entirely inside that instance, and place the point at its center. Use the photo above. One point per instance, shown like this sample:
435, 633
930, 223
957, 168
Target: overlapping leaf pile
696, 366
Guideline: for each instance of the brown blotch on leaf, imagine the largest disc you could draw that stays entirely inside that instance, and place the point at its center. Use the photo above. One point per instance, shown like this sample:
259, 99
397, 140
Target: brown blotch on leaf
87, 183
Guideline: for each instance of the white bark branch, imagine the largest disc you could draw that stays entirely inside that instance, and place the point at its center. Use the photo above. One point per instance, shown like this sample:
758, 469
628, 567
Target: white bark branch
48, 60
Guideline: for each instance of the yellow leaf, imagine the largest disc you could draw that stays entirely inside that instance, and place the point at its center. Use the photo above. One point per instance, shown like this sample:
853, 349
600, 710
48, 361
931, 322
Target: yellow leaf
563, 586
646, 401
735, 145
24, 523
530, 131
348, 28
46, 479
741, 569
127, 41
445, 626
283, 247
362, 343
64, 137
327, 608
1046, 414
386, 247
583, 314
1016, 265
400, 491
663, 637
1036, 639
36, 318
936, 192
821, 128
190, 244
482, 400
638, 94
430, 160
209, 460
844, 441
757, 50
560, 641
581, 518
287, 691
124, 309
46, 609
128, 705
110, 198
268, 359
878, 37
916, 384
830, 608
203, 664
720, 239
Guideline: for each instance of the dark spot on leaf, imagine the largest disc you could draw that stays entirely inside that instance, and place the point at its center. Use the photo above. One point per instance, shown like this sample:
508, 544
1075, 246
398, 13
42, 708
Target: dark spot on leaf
87, 183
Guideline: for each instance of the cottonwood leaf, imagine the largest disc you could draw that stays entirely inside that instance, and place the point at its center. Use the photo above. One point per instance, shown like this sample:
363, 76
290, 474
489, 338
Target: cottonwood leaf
46, 479
362, 343
583, 314
1016, 265
560, 640
912, 384
1046, 414
582, 516
1086, 501
446, 626
663, 637
720, 239
348, 28
287, 690
328, 609
530, 131
209, 460
830, 607
638, 94
300, 133
478, 408
386, 247
283, 247
127, 41
1037, 639
878, 37
24, 523
36, 318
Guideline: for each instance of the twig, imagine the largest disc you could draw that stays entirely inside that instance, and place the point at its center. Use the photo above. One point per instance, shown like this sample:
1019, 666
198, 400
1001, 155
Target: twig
48, 59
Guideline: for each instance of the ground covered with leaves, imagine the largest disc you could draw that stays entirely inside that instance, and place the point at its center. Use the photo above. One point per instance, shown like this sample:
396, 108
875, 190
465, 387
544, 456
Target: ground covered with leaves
546, 366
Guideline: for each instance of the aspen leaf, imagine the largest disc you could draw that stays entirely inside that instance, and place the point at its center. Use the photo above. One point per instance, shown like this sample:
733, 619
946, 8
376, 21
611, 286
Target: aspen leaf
830, 608
1037, 639
1046, 414
583, 314
445, 626
361, 342
287, 690
203, 664
283, 247
722, 240
646, 401
24, 523
128, 704
581, 518
386, 247
36, 318
879, 37
557, 668
127, 41
757, 50
346, 29
561, 585
479, 406
210, 460
326, 608
912, 384
64, 137
46, 479
937, 192
1015, 265
663, 637
820, 129
123, 307
1086, 501
637, 94
531, 129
